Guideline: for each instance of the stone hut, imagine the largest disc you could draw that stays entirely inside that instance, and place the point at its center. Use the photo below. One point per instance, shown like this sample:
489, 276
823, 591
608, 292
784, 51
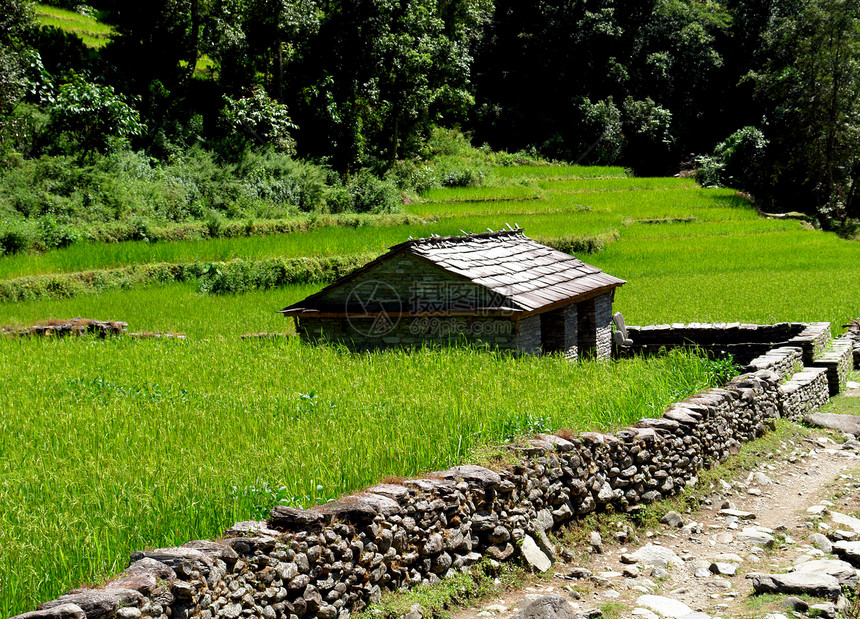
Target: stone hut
498, 288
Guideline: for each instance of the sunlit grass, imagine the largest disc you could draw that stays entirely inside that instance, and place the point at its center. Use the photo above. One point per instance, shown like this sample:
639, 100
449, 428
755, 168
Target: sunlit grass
175, 308
112, 446
97, 438
559, 172
92, 32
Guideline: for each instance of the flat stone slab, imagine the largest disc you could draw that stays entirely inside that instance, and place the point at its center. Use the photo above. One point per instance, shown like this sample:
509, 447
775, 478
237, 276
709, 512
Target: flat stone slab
817, 585
547, 607
534, 555
62, 611
835, 421
653, 555
756, 537
473, 475
842, 571
848, 551
738, 513
846, 521
724, 569
284, 517
663, 606
98, 603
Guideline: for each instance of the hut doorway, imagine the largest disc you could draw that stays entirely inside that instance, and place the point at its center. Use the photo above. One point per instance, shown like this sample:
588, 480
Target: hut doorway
587, 331
552, 334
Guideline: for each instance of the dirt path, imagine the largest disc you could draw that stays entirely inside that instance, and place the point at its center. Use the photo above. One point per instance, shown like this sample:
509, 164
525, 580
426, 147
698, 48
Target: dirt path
790, 495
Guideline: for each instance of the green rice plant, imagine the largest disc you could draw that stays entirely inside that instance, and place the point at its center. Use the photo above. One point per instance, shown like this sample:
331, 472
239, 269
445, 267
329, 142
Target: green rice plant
767, 277
171, 308
594, 185
92, 32
558, 172
215, 277
477, 194
99, 437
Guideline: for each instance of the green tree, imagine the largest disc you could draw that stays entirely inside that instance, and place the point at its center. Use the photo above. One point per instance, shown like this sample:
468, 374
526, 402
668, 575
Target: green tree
259, 120
88, 118
382, 72
255, 41
17, 61
810, 86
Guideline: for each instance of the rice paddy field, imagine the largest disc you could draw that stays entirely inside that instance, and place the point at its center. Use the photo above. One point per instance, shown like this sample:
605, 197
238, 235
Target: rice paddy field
89, 29
109, 446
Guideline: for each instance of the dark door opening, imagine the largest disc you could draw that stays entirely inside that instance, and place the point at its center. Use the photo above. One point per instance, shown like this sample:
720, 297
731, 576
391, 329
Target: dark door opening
587, 333
552, 331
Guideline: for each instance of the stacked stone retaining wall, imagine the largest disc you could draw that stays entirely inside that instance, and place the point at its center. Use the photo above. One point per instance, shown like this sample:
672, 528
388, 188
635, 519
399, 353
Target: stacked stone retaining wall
806, 392
333, 560
838, 361
743, 341
785, 361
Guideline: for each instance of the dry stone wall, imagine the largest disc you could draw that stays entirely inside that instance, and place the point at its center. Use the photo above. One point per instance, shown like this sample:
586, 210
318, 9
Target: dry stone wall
333, 560
785, 361
838, 361
743, 341
805, 392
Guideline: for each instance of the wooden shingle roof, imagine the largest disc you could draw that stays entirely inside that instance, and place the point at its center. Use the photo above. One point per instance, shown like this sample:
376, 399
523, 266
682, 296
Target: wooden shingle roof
529, 276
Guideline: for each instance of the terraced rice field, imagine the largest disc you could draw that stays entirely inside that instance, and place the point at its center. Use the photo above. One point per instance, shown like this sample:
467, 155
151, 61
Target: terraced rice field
111, 446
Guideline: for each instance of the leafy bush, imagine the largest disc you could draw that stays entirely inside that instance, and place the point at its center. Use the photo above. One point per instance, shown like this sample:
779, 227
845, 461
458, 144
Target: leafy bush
583, 244
260, 120
370, 194
281, 180
736, 162
463, 176
55, 234
710, 171
16, 237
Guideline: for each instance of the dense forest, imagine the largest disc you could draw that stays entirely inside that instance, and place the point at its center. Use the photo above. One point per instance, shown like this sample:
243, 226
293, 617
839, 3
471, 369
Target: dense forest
201, 109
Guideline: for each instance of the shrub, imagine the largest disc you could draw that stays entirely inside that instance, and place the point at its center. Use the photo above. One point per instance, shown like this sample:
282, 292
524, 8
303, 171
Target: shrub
16, 237
584, 244
55, 234
737, 161
463, 176
370, 194
278, 178
710, 171
90, 118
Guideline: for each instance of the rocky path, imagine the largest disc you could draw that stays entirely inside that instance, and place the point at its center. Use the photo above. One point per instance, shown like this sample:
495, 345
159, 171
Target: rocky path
791, 513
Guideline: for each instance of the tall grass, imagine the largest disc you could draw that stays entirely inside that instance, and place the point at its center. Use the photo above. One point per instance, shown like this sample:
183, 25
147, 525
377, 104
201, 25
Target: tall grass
558, 172
175, 308
117, 445
771, 276
91, 31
